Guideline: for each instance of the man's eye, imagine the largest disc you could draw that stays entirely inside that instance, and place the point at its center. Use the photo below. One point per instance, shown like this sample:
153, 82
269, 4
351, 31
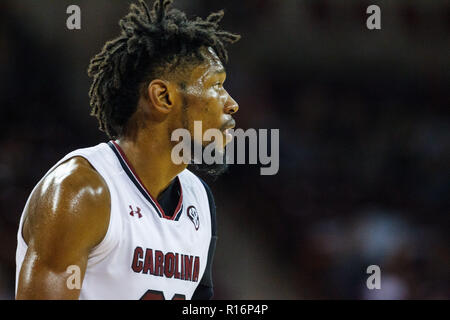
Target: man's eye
218, 85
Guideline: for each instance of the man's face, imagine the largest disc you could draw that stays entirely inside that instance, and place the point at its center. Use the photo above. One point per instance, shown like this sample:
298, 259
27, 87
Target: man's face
206, 99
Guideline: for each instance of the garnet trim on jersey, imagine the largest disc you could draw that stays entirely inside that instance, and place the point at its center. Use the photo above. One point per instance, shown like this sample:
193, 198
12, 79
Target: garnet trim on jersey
128, 168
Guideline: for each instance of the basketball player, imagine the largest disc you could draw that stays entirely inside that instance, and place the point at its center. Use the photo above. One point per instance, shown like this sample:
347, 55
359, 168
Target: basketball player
136, 225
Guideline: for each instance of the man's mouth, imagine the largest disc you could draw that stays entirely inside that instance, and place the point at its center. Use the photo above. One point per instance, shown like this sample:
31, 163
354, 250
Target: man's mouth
230, 124
226, 129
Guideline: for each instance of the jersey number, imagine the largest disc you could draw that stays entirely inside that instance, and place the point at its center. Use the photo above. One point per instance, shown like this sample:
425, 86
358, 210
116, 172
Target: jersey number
158, 295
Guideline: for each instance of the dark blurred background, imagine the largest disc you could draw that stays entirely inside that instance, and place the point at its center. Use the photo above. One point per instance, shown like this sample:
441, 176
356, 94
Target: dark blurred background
364, 139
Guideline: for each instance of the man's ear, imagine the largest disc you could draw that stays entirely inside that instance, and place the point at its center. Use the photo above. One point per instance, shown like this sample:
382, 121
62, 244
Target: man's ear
159, 94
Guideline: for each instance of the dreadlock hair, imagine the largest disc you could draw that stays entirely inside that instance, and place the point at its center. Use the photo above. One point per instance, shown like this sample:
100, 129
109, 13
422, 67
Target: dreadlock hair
151, 42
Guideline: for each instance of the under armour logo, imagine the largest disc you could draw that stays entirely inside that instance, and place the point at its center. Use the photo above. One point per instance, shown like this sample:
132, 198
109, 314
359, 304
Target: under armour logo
133, 212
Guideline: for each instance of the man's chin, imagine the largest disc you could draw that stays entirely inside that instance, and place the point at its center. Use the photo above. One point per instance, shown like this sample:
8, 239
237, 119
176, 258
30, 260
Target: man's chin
215, 169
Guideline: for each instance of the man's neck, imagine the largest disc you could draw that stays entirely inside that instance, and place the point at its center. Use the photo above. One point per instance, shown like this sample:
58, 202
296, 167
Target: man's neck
150, 157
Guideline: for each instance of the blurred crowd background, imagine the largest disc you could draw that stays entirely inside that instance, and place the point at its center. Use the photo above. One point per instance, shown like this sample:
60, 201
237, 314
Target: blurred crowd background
363, 115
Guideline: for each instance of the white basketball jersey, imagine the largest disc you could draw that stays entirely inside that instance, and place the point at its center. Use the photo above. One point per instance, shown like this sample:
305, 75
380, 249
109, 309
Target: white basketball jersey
145, 254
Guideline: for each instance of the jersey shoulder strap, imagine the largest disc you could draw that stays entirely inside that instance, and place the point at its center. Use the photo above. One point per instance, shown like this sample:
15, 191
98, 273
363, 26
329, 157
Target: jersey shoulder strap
205, 289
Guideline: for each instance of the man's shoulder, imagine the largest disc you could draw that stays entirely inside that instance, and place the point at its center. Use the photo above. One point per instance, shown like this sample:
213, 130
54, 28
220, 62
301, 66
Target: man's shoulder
195, 179
209, 193
73, 193
75, 175
75, 172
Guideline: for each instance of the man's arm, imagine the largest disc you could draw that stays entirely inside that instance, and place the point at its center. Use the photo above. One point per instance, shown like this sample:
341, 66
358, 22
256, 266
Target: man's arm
67, 216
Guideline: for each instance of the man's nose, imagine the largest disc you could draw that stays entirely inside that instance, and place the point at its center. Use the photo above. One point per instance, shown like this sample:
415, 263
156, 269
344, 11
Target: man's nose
231, 106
